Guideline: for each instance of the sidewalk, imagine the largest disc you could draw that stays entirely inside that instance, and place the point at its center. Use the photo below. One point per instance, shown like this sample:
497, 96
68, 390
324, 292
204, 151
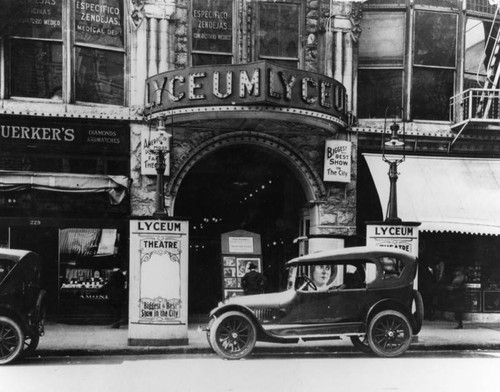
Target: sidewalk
80, 340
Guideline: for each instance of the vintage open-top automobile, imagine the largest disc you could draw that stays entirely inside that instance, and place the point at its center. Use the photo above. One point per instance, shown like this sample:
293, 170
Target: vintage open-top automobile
22, 309
363, 293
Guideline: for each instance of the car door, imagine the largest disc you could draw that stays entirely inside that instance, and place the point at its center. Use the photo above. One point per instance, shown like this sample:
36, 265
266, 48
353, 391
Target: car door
343, 302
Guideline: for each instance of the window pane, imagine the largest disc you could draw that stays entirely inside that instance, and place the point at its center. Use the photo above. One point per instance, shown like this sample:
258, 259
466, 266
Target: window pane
284, 63
36, 69
37, 19
435, 39
431, 92
212, 25
99, 76
453, 4
378, 89
279, 30
99, 22
477, 51
476, 32
378, 45
207, 59
482, 6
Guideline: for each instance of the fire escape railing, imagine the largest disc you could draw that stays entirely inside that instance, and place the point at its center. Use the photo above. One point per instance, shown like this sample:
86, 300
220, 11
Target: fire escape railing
475, 104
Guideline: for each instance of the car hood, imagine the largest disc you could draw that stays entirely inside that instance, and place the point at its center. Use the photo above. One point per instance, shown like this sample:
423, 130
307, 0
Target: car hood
262, 300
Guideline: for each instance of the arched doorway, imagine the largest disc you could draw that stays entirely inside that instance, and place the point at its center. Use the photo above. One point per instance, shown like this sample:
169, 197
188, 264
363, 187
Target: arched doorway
238, 187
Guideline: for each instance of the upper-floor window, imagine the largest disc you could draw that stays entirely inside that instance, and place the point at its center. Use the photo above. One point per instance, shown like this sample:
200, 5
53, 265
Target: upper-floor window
411, 56
212, 35
381, 63
279, 32
434, 64
64, 50
480, 36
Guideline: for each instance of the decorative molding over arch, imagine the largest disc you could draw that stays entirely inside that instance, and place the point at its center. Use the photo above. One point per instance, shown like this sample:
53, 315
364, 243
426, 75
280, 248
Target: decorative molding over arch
308, 178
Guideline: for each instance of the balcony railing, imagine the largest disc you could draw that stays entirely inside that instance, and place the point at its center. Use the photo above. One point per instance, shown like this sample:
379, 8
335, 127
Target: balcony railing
476, 105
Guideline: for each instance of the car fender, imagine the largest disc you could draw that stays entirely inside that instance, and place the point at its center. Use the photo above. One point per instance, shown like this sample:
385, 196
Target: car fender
392, 304
8, 311
261, 333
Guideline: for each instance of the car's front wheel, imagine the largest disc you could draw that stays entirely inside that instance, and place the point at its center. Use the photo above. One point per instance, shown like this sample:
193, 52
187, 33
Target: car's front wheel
389, 333
233, 335
11, 340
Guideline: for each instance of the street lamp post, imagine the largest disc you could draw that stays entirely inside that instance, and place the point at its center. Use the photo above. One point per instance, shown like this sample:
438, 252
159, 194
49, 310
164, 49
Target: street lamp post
393, 143
160, 147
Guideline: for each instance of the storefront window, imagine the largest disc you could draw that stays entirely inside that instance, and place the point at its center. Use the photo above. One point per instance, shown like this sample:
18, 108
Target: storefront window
87, 257
40, 38
212, 32
278, 33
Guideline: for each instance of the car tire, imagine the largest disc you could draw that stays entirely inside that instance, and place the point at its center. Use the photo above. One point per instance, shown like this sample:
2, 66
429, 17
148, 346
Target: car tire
418, 315
389, 333
361, 343
209, 328
233, 335
11, 340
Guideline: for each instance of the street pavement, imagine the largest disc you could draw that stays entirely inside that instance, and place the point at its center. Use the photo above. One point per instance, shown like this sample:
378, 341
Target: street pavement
100, 340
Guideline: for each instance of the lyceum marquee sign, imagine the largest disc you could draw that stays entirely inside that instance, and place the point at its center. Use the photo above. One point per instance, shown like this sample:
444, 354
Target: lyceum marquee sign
259, 83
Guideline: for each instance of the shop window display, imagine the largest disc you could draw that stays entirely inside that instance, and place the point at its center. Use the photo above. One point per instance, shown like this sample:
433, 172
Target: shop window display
87, 259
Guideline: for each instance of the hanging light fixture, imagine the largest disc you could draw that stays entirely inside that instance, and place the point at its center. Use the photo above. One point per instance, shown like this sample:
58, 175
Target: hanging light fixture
393, 145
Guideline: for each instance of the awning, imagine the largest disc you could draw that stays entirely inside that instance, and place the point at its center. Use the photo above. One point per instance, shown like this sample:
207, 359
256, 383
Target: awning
116, 186
445, 194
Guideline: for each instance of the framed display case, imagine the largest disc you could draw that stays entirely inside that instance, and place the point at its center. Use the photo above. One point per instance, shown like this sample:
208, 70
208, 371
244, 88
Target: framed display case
491, 301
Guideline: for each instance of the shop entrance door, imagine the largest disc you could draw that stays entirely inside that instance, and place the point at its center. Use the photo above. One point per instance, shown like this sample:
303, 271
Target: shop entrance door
238, 188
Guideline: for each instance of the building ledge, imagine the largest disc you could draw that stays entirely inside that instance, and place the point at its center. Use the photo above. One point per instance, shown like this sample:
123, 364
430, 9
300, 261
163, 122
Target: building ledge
45, 108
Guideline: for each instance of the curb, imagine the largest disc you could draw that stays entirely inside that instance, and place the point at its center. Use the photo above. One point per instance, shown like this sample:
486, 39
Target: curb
127, 351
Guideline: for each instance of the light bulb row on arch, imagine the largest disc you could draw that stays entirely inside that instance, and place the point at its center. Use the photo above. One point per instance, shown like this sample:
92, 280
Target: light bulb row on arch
255, 192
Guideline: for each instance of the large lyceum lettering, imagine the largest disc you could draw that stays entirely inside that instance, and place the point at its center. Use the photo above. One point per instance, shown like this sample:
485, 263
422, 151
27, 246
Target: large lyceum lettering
246, 84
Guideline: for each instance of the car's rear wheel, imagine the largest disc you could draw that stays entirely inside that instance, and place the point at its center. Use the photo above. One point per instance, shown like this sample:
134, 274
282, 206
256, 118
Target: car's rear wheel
233, 335
11, 340
361, 343
389, 333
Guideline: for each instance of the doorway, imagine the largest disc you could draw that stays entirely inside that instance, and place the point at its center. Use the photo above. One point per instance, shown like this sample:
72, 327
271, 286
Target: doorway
238, 187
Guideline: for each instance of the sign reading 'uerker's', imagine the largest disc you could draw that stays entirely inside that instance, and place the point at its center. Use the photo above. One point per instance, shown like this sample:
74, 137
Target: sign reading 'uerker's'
246, 84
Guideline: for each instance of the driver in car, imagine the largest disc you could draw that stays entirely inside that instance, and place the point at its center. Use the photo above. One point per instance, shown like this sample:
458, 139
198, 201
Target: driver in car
321, 274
